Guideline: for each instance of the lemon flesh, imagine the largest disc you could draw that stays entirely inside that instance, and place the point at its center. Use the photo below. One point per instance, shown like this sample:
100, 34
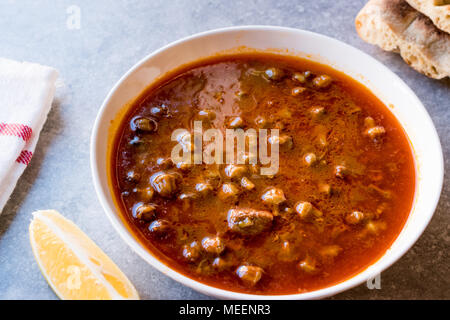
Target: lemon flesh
73, 265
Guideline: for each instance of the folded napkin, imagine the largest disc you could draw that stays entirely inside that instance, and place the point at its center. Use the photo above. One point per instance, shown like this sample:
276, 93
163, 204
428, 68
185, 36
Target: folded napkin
26, 94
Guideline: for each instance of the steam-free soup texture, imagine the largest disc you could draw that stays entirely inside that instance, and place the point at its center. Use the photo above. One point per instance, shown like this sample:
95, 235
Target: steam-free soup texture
343, 191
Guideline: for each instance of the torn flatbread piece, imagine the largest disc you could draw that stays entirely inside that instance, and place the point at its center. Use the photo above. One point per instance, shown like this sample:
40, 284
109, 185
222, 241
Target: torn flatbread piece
395, 26
437, 10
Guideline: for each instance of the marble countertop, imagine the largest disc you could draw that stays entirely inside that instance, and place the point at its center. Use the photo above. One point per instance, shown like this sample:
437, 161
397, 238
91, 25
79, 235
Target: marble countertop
112, 36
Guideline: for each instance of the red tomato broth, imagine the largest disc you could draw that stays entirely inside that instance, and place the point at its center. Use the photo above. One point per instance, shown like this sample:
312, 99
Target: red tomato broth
389, 165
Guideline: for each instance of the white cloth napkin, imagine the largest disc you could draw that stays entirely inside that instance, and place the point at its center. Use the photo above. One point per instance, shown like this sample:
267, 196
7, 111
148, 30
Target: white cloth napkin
26, 94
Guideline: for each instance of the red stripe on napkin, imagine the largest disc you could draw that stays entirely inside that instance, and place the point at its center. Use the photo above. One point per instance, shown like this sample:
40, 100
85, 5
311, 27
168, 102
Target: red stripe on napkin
15, 129
25, 157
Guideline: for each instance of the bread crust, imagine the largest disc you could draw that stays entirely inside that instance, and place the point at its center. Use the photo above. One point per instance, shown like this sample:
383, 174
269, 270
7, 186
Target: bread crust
437, 11
395, 26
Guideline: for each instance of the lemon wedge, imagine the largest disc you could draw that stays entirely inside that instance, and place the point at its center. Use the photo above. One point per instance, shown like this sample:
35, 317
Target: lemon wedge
73, 265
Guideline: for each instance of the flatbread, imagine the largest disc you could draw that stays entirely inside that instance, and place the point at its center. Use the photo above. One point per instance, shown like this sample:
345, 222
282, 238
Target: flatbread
437, 10
396, 26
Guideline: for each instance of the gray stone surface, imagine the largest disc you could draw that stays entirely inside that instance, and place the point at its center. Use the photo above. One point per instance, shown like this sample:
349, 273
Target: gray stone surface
113, 36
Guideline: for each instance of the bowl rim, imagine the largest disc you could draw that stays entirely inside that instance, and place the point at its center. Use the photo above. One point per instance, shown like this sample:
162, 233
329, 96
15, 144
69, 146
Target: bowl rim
345, 284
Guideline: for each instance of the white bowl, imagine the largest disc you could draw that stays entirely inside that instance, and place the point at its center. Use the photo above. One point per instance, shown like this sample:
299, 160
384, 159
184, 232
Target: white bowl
379, 79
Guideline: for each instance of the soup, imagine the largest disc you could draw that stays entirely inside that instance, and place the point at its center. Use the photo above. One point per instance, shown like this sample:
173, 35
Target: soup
342, 191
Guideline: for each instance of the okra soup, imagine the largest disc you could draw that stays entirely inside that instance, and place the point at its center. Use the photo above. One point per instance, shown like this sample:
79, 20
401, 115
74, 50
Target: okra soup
262, 173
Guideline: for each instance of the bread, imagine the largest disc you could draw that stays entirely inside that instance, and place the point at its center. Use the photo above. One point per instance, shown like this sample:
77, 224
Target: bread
396, 26
437, 10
